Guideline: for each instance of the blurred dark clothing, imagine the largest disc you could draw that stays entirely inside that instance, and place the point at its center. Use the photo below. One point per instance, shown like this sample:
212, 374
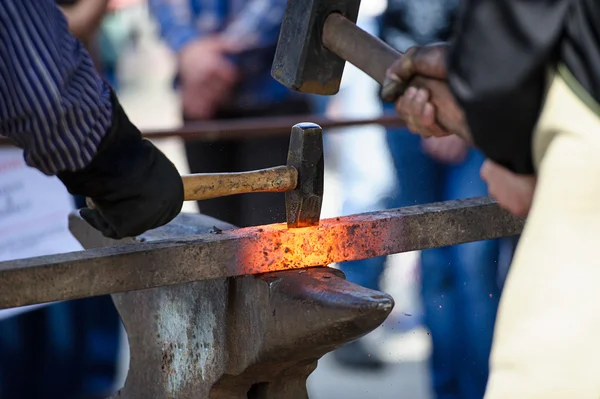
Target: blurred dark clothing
406, 23
67, 350
242, 155
498, 67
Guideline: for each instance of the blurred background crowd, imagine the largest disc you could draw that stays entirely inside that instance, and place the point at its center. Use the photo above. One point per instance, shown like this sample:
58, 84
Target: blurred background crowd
175, 61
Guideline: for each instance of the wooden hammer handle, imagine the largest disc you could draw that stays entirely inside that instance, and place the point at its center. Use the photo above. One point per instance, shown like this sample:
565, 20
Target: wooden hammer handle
373, 56
363, 50
214, 185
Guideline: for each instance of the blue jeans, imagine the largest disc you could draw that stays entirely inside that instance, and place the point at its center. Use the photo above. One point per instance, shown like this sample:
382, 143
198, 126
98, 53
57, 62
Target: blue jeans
459, 285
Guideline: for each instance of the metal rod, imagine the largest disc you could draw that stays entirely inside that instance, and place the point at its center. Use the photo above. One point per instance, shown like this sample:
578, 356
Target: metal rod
253, 250
240, 129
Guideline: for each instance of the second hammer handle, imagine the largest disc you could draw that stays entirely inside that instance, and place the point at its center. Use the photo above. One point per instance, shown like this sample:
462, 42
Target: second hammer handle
363, 50
214, 185
373, 56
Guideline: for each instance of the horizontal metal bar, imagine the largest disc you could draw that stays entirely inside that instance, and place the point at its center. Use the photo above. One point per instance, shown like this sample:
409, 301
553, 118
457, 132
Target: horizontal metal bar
251, 251
237, 129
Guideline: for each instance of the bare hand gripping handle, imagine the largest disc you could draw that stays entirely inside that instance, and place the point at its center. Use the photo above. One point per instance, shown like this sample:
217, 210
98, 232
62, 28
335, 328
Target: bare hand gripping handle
372, 56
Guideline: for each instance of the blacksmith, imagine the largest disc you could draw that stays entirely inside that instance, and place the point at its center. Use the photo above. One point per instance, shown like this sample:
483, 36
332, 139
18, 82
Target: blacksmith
526, 74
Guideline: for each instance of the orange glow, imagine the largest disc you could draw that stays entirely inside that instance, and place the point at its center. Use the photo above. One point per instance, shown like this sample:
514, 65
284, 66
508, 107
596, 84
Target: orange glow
275, 247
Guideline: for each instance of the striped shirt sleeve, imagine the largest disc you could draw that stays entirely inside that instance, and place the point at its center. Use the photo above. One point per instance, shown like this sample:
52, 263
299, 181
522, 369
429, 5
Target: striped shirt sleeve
53, 103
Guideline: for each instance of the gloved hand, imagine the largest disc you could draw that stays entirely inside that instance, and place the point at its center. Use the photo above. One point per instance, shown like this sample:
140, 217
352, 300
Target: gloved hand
133, 185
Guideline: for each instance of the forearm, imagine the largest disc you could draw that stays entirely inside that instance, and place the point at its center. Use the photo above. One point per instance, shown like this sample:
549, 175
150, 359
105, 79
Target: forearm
53, 104
85, 17
496, 70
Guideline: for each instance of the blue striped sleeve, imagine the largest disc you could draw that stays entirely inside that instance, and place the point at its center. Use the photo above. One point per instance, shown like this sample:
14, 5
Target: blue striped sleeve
53, 104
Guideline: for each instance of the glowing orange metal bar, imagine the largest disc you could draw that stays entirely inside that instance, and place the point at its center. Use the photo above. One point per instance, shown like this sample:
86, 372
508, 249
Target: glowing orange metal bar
250, 251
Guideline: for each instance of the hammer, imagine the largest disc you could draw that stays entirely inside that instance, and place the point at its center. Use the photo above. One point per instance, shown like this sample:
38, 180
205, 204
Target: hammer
301, 179
316, 39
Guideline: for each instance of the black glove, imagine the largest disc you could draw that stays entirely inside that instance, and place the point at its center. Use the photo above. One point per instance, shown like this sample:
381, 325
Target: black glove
134, 186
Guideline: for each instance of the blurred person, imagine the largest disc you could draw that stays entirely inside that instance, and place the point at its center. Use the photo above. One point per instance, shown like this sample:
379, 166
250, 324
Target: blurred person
93, 22
459, 284
113, 36
224, 55
86, 18
536, 115
70, 124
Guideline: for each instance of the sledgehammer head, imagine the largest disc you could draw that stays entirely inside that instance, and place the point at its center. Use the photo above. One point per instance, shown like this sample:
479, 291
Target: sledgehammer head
303, 204
301, 62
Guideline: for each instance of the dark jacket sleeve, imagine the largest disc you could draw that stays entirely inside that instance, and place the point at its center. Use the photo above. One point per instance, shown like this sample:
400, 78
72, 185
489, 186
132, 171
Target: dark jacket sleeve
497, 69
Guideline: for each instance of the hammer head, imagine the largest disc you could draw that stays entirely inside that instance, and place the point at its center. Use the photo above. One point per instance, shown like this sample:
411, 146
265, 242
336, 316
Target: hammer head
301, 62
303, 204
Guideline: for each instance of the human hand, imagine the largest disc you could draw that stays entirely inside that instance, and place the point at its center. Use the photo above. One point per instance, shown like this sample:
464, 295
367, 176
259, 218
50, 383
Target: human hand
207, 76
450, 150
425, 61
427, 106
428, 61
419, 113
513, 192
134, 187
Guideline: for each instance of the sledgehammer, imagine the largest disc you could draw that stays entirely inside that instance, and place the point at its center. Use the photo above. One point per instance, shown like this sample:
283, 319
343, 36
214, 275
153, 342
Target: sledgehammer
317, 37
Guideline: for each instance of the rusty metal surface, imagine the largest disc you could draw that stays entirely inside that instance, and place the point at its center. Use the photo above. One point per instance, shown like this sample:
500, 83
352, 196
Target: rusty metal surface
252, 337
224, 338
301, 61
303, 204
251, 251
240, 129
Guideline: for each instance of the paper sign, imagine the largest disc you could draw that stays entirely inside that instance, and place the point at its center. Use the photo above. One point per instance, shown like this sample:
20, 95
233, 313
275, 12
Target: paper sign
34, 211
